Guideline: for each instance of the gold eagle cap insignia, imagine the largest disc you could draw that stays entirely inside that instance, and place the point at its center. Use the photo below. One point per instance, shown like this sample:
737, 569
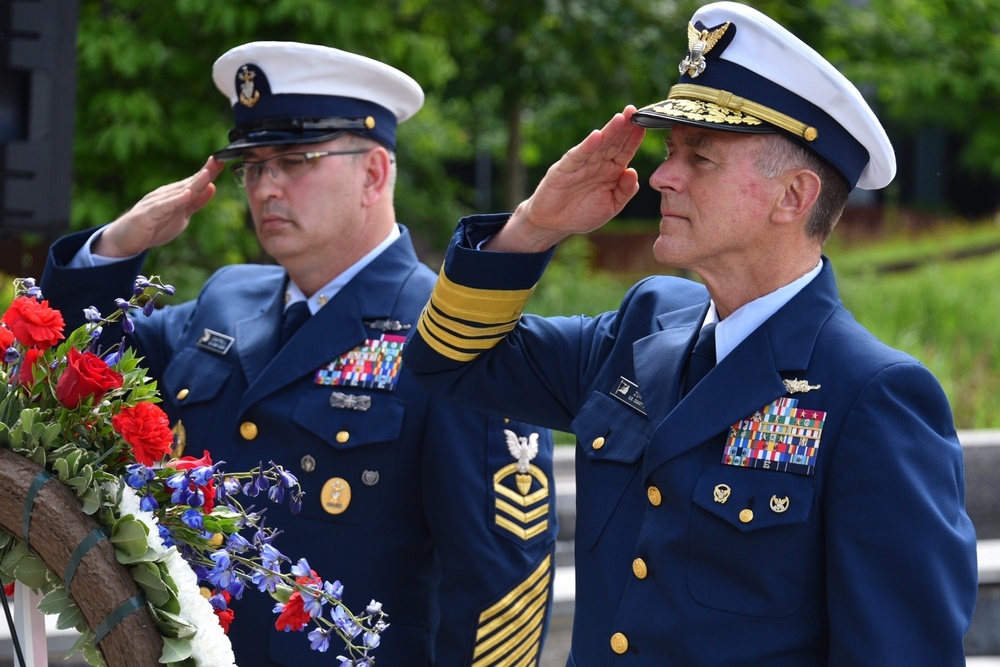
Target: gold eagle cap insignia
700, 42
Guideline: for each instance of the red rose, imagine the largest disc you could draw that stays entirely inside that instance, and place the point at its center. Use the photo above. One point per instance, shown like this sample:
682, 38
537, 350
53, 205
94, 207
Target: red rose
6, 338
293, 615
147, 429
34, 324
86, 375
188, 463
8, 589
26, 374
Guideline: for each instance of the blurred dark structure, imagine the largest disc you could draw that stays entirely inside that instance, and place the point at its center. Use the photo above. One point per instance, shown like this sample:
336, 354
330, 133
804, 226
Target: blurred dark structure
37, 103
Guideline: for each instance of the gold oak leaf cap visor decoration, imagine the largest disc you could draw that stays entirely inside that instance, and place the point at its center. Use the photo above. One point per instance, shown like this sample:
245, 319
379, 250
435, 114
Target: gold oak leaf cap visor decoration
286, 93
745, 73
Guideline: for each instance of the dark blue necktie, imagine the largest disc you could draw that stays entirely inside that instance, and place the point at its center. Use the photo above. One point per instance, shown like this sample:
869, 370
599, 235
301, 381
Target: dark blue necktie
294, 317
702, 357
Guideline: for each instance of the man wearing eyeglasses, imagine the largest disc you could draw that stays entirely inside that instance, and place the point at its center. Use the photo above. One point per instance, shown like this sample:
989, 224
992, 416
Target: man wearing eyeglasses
443, 514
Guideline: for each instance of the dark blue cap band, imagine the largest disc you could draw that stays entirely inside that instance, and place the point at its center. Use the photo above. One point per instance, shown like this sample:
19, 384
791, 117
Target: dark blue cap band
276, 119
833, 143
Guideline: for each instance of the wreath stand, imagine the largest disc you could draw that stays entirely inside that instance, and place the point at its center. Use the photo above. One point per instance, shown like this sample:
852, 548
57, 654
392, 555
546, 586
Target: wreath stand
47, 516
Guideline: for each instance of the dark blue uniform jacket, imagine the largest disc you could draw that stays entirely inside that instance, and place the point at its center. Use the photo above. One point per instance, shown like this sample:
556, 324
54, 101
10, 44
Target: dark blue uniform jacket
803, 505
427, 518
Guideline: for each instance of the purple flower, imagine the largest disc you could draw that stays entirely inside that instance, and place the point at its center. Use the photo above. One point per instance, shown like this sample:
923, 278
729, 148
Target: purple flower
194, 519
148, 503
344, 622
222, 575
320, 640
302, 569
334, 589
138, 475
11, 356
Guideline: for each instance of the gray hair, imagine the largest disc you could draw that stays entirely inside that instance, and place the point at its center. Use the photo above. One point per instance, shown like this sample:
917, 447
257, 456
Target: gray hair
780, 153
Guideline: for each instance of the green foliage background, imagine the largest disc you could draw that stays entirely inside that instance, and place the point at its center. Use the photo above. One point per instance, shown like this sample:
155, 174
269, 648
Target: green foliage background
513, 85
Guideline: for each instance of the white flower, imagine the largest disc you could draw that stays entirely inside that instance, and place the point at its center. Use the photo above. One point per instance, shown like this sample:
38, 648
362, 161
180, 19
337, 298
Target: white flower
210, 645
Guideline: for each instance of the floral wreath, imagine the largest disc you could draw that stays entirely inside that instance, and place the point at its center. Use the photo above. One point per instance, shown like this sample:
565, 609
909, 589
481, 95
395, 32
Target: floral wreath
89, 417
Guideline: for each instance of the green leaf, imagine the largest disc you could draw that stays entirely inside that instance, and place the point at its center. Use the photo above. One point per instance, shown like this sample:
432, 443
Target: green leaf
51, 434
61, 468
91, 500
171, 625
175, 650
31, 572
130, 536
147, 575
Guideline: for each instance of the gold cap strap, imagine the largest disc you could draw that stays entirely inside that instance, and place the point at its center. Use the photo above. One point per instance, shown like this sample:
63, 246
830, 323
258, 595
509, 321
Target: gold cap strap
727, 100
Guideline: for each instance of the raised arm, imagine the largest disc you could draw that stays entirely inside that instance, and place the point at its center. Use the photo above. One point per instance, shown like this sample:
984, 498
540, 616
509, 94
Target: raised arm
160, 216
586, 188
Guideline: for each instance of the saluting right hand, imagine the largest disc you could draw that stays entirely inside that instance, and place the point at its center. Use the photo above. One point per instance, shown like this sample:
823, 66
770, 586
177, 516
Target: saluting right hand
586, 188
160, 216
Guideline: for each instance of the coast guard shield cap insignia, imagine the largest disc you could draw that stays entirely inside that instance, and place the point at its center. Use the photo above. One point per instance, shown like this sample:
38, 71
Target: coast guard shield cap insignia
522, 508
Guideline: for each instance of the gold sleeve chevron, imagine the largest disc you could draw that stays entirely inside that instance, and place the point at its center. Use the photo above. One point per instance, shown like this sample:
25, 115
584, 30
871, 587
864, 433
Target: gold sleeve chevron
510, 631
462, 322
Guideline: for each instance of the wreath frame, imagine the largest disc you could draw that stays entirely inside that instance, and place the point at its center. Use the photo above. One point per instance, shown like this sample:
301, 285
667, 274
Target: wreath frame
100, 584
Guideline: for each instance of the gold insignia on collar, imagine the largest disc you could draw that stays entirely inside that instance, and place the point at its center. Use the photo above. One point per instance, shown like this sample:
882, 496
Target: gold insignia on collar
248, 96
798, 386
700, 42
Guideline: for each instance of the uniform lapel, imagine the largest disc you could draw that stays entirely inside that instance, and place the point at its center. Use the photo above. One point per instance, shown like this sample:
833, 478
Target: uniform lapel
749, 378
339, 325
256, 335
659, 359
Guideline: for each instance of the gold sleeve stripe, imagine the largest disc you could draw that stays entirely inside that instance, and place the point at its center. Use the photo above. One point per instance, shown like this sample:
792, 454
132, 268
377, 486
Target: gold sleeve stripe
461, 322
510, 631
462, 337
479, 305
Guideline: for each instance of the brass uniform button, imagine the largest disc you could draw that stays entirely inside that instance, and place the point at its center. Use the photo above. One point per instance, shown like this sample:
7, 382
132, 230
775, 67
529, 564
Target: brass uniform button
343, 436
248, 430
746, 516
598, 443
654, 496
639, 568
619, 643
182, 394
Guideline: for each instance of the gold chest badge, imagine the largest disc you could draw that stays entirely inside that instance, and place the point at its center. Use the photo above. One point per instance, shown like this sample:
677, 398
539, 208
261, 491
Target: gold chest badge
336, 495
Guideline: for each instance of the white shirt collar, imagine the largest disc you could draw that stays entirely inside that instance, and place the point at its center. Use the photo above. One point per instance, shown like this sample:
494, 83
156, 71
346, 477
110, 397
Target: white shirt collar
321, 297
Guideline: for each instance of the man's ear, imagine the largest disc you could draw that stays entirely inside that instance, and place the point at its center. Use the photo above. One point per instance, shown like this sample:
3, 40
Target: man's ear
799, 195
377, 165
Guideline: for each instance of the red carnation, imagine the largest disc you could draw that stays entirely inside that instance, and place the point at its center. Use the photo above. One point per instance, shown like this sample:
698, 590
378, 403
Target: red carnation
86, 375
293, 615
188, 463
147, 429
225, 616
6, 338
34, 324
26, 373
